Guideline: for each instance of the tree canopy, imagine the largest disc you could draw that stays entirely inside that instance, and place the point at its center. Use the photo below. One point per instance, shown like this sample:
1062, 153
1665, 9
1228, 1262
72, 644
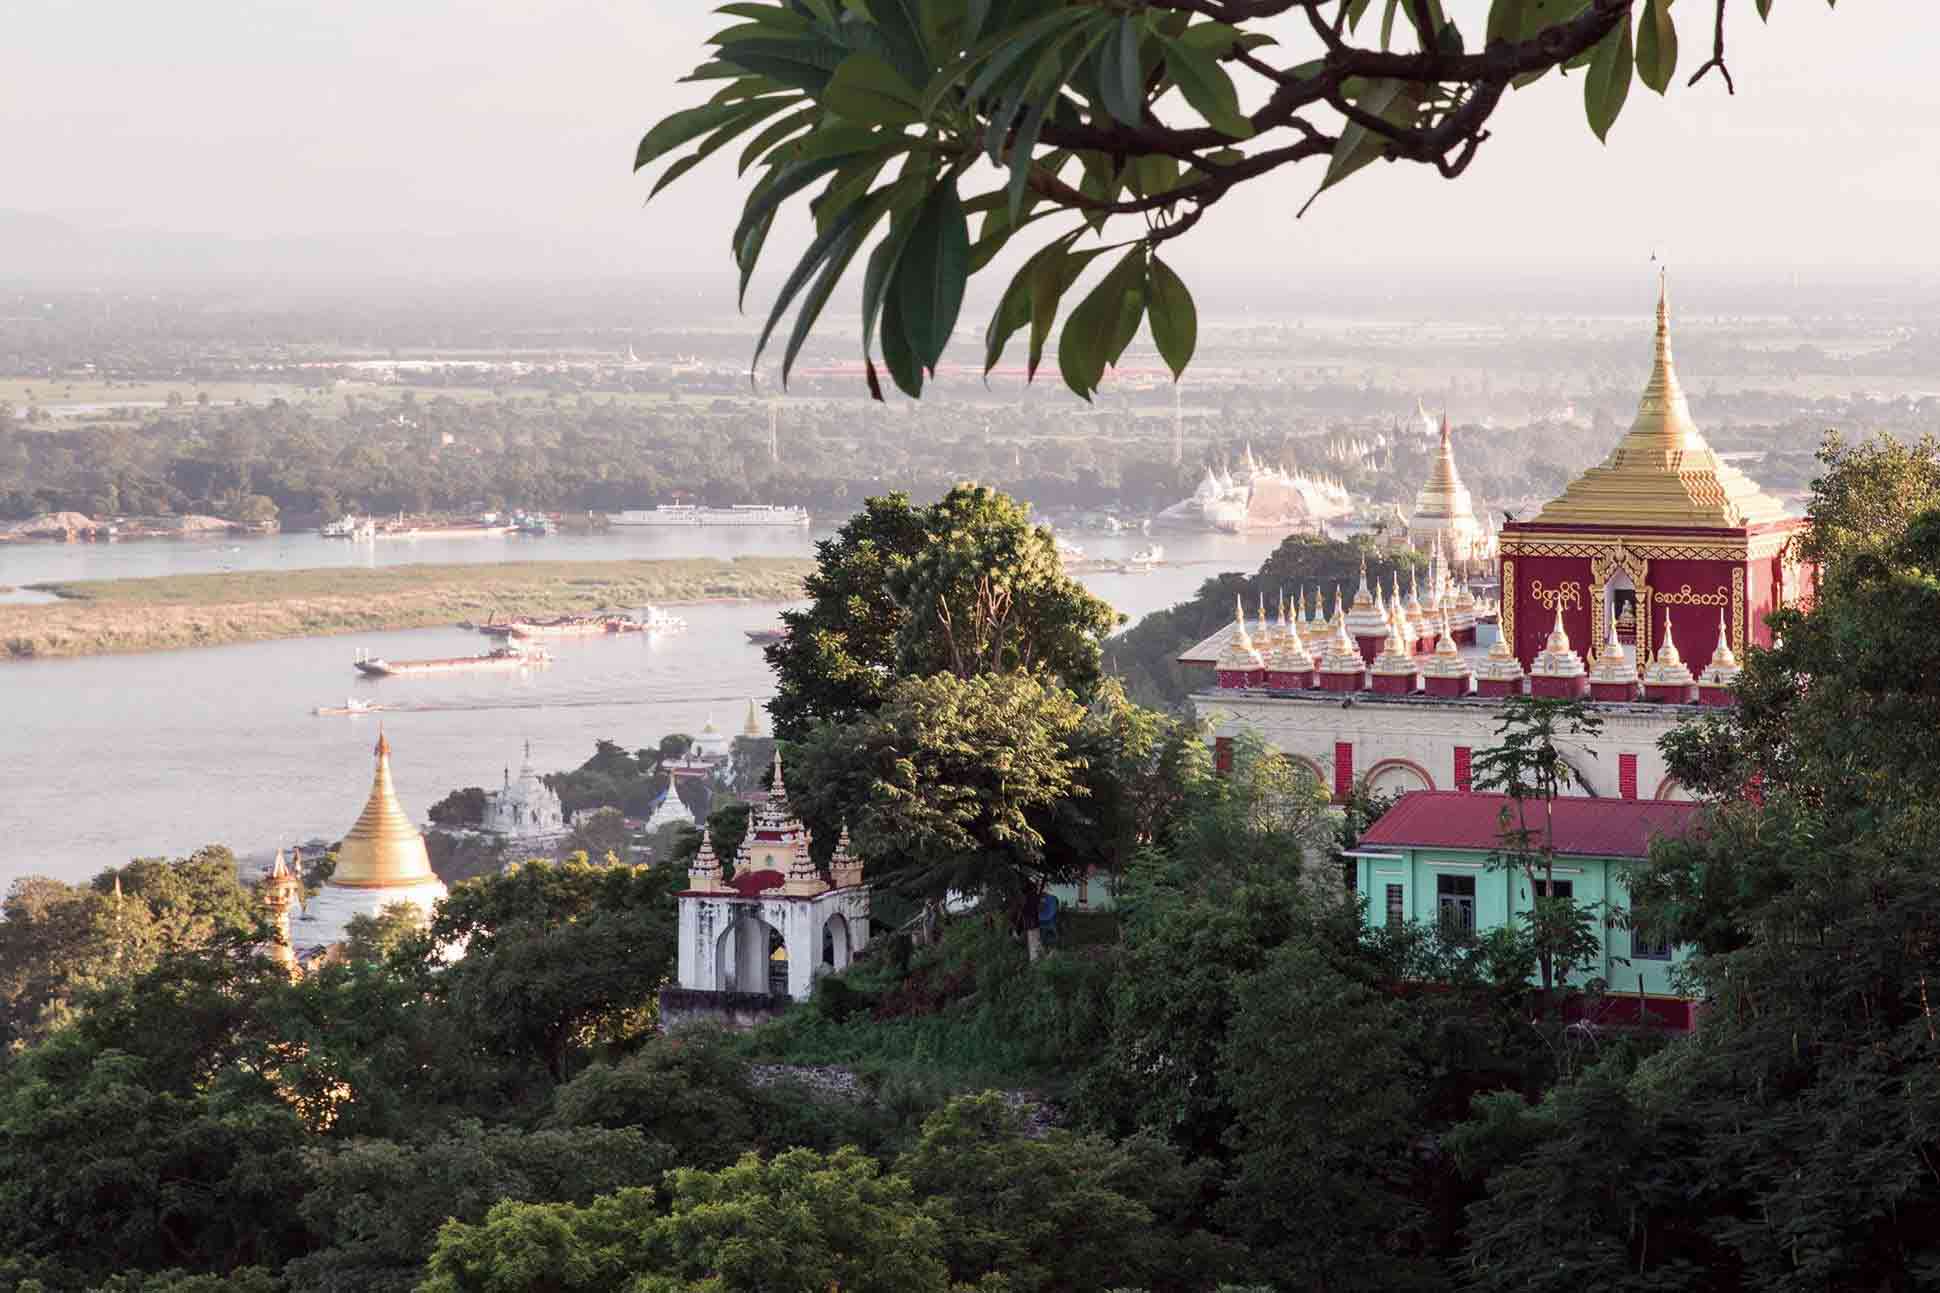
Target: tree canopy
881, 116
965, 586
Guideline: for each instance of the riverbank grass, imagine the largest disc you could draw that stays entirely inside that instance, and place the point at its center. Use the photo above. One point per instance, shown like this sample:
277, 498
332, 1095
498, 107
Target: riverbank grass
126, 615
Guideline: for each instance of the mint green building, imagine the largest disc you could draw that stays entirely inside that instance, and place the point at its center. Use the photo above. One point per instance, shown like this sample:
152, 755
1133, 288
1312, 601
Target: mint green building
1427, 860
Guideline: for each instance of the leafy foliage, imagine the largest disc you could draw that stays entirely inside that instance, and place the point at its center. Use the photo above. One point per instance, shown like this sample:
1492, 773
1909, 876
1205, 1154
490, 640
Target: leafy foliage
966, 585
879, 116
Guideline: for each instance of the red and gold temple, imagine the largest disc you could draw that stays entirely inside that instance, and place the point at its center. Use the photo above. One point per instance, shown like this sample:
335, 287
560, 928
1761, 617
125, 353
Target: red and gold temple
1664, 528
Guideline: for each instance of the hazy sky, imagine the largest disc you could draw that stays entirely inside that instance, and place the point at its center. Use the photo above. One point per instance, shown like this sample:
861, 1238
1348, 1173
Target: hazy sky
274, 118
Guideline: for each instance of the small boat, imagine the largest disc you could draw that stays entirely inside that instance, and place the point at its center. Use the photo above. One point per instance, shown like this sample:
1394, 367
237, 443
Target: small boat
510, 656
352, 707
568, 626
535, 525
342, 528
656, 620
1146, 558
767, 637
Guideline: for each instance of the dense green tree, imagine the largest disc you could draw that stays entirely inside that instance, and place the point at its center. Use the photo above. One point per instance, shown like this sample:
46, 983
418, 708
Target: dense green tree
1201, 915
689, 1094
799, 1223
1093, 114
556, 958
1061, 1212
1318, 1064
967, 585
602, 835
375, 1206
952, 785
375, 938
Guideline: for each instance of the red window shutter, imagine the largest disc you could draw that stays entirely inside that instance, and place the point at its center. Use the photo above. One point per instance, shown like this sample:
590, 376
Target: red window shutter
1343, 769
1627, 775
1462, 769
1223, 754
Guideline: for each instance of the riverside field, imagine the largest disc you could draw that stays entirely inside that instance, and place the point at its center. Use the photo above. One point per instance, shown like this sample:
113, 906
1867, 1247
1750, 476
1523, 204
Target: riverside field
172, 611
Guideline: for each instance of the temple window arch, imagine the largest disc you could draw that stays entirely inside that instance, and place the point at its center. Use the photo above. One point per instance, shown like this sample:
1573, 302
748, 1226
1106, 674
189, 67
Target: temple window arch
1396, 776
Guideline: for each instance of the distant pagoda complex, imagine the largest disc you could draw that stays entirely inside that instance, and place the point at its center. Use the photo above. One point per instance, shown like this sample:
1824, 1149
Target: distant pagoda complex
1444, 518
381, 861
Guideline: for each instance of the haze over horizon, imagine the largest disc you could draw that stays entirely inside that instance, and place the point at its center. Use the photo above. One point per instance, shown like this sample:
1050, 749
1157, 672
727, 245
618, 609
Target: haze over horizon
493, 140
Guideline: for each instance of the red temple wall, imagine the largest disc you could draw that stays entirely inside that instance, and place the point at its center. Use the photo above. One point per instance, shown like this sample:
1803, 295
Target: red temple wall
1693, 592
1539, 583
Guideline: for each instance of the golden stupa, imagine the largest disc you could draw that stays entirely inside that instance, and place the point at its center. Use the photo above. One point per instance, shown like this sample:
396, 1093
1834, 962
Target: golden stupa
383, 850
1662, 473
1444, 509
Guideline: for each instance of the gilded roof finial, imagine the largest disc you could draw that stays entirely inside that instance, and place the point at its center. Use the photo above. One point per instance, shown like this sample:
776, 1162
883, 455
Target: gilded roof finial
383, 743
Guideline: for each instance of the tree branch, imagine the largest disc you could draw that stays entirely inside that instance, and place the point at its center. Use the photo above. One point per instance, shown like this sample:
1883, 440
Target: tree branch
1717, 56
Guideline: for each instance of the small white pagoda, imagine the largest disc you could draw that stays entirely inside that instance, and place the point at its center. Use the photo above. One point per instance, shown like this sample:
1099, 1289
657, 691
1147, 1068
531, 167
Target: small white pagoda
777, 922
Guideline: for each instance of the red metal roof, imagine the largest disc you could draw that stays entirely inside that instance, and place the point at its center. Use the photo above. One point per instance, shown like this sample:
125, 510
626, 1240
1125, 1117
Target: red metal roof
1605, 828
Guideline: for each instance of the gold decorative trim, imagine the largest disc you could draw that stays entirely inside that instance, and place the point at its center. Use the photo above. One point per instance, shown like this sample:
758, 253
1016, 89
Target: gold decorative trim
1509, 604
1601, 568
1738, 612
1688, 551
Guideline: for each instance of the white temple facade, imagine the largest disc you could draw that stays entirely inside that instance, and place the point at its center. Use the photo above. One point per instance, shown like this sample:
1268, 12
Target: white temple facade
777, 922
525, 809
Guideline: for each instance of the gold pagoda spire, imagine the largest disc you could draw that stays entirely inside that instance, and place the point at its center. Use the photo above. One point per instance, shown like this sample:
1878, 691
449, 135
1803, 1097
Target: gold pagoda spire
753, 726
1662, 472
384, 849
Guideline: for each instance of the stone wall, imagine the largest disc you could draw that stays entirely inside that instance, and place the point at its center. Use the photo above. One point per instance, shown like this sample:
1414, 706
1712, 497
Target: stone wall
686, 1007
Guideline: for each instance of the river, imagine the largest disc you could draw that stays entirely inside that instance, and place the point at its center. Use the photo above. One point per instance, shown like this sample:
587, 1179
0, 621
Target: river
107, 758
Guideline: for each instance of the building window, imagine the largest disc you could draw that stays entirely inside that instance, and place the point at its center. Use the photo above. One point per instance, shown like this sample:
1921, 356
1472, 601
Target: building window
1644, 949
1455, 897
1463, 759
1556, 889
1627, 776
1343, 770
1397, 910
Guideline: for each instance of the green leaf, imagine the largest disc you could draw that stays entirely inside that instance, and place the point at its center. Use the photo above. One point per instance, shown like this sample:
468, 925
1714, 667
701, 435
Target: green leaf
1015, 310
1387, 23
869, 92
1022, 149
747, 252
819, 251
1155, 173
837, 265
780, 184
752, 115
901, 24
681, 128
1050, 280
1358, 145
1216, 38
896, 354
1119, 76
931, 277
878, 274
1505, 21
1091, 332
1207, 88
1175, 319
1356, 9
1607, 84
1764, 10
1656, 46
777, 131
